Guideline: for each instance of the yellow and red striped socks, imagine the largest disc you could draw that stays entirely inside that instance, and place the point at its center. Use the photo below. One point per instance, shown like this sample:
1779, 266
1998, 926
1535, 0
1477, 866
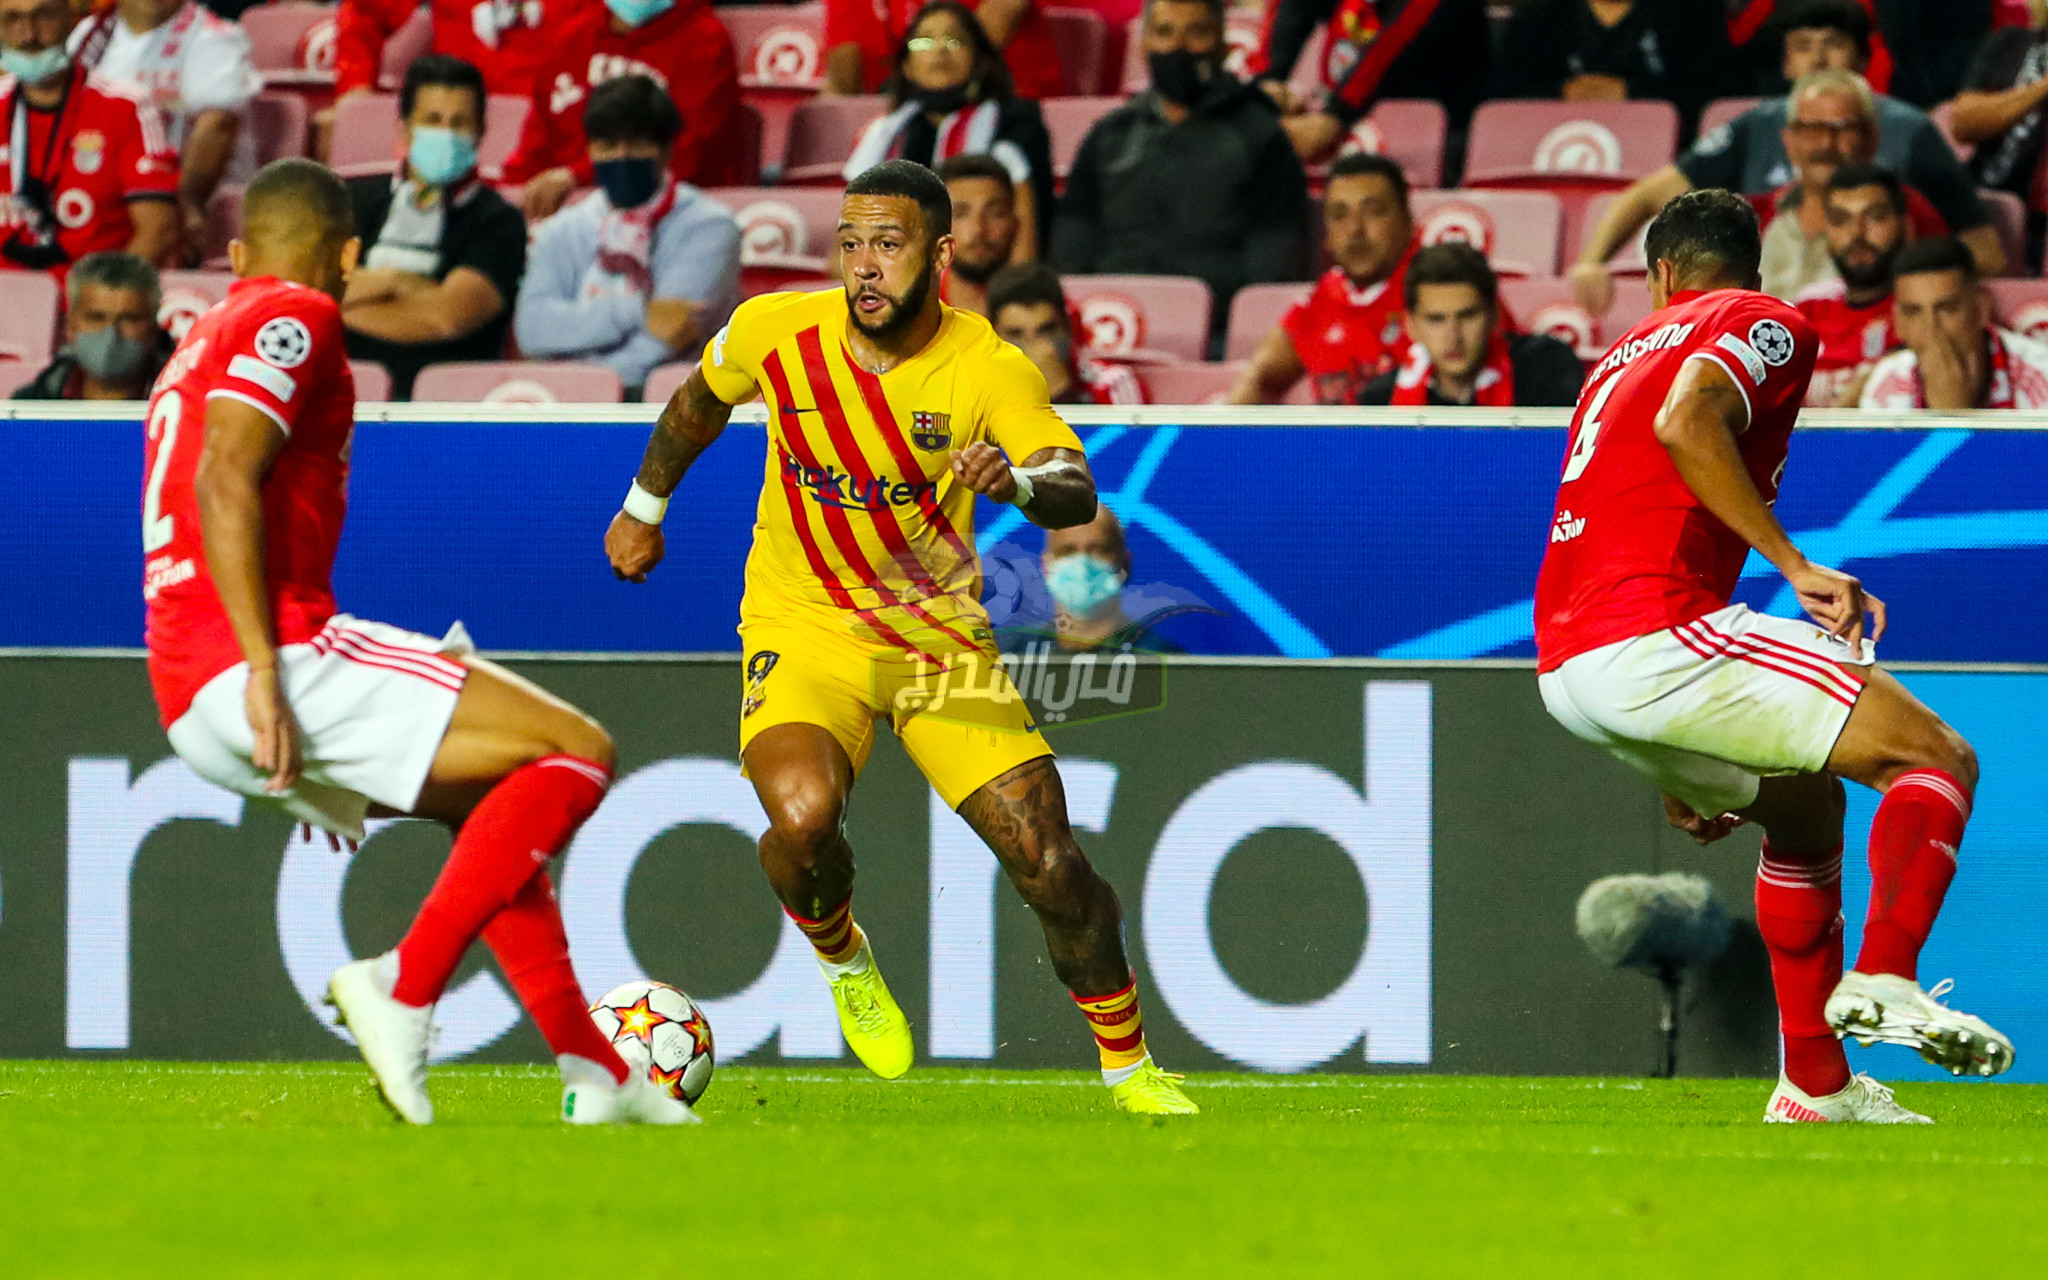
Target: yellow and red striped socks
836, 938
1119, 1030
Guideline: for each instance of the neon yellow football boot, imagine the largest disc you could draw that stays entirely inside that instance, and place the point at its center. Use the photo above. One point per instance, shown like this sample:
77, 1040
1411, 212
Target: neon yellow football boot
868, 1014
1151, 1092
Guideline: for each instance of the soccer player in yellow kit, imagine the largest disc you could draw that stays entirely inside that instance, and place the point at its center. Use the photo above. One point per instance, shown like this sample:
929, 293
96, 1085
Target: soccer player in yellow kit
888, 412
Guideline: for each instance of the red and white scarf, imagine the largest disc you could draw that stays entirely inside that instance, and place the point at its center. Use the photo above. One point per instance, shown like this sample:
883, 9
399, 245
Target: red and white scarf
625, 247
1495, 387
969, 131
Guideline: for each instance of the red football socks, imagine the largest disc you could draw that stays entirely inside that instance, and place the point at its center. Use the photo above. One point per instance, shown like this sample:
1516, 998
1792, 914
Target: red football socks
1799, 914
1913, 843
533, 951
525, 820
835, 936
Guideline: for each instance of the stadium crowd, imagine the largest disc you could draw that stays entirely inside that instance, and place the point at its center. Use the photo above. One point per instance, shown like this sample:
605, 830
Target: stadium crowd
1405, 202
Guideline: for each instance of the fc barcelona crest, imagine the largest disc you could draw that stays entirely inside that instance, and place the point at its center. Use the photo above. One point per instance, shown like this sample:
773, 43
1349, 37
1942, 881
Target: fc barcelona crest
932, 431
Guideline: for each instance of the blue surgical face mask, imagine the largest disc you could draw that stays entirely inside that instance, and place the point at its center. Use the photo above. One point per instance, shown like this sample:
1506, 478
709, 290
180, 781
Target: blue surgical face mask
1082, 584
438, 156
638, 13
629, 181
34, 68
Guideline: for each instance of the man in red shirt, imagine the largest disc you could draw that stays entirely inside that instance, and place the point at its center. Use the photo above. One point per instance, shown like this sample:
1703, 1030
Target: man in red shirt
1350, 330
861, 38
266, 690
1673, 466
679, 44
88, 169
1852, 313
507, 40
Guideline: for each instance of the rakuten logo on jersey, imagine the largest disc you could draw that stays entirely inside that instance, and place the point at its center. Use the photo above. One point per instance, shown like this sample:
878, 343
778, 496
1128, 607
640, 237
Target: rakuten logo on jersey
1629, 352
831, 487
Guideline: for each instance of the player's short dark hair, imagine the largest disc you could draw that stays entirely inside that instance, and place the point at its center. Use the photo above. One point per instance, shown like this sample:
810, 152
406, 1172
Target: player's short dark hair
631, 108
978, 165
441, 71
1707, 234
1452, 262
1845, 16
1942, 253
909, 180
293, 194
1364, 164
1851, 177
1026, 284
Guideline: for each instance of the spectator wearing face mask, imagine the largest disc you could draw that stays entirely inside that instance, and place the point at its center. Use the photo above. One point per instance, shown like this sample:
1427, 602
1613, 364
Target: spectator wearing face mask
113, 348
1350, 329
985, 238
1087, 570
679, 44
1029, 310
194, 68
862, 38
1372, 50
950, 98
1458, 354
1852, 313
642, 272
1610, 50
1952, 355
442, 252
89, 168
1192, 177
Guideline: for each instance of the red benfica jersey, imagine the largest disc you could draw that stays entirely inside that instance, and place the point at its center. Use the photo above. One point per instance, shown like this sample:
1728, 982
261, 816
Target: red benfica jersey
686, 51
1852, 338
1632, 549
99, 149
1346, 336
878, 27
505, 39
276, 346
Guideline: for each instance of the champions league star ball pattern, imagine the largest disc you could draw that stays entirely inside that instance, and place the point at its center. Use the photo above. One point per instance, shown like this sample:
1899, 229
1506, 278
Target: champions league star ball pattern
659, 1030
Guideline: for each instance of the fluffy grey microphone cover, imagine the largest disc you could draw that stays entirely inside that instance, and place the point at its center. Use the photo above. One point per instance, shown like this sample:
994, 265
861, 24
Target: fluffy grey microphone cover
1646, 922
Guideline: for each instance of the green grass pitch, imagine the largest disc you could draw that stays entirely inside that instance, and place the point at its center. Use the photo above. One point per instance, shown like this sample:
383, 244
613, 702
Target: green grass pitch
147, 1169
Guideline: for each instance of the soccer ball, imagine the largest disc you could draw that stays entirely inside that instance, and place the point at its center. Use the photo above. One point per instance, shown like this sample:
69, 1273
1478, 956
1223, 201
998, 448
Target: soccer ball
658, 1029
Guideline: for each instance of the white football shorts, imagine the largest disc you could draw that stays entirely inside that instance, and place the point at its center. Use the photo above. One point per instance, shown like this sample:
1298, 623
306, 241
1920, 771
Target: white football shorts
372, 702
1705, 709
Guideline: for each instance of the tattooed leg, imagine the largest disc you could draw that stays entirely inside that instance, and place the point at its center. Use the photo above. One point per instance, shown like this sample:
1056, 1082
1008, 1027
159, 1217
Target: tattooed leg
1023, 818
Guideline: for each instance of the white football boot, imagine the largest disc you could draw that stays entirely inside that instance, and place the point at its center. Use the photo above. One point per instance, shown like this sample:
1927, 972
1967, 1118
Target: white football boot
1861, 1101
393, 1036
1876, 1007
590, 1096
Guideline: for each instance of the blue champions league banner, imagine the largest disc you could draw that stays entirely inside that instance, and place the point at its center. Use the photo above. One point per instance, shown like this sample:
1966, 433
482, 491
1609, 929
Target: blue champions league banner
1305, 541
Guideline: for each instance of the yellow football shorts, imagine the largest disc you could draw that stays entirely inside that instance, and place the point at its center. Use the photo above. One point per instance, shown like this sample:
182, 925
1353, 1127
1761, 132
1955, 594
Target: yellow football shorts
962, 721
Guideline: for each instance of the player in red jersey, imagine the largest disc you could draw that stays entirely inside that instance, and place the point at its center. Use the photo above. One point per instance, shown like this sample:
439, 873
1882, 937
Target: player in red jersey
1677, 449
267, 690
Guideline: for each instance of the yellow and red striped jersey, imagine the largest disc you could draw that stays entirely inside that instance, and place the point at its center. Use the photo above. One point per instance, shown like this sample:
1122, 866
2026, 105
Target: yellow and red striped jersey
860, 514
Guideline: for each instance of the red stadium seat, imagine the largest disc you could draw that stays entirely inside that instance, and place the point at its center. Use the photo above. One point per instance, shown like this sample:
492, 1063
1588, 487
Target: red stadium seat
366, 133
407, 44
1254, 312
1629, 261
1142, 317
517, 382
2009, 214
1539, 143
1068, 121
1082, 38
189, 295
1545, 305
821, 137
1410, 132
662, 383
778, 46
277, 124
1722, 110
2021, 305
1518, 231
1189, 383
16, 374
1631, 307
275, 31
373, 381
785, 233
28, 317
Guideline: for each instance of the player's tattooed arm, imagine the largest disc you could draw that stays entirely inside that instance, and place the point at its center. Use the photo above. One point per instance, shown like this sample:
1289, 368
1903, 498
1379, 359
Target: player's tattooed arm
1062, 488
1698, 425
691, 421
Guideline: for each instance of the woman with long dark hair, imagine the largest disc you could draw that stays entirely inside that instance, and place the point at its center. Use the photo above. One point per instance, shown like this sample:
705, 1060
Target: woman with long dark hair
951, 95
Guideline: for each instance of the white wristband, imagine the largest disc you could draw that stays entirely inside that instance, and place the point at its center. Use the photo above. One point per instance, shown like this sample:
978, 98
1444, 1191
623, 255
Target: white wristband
1021, 498
644, 506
